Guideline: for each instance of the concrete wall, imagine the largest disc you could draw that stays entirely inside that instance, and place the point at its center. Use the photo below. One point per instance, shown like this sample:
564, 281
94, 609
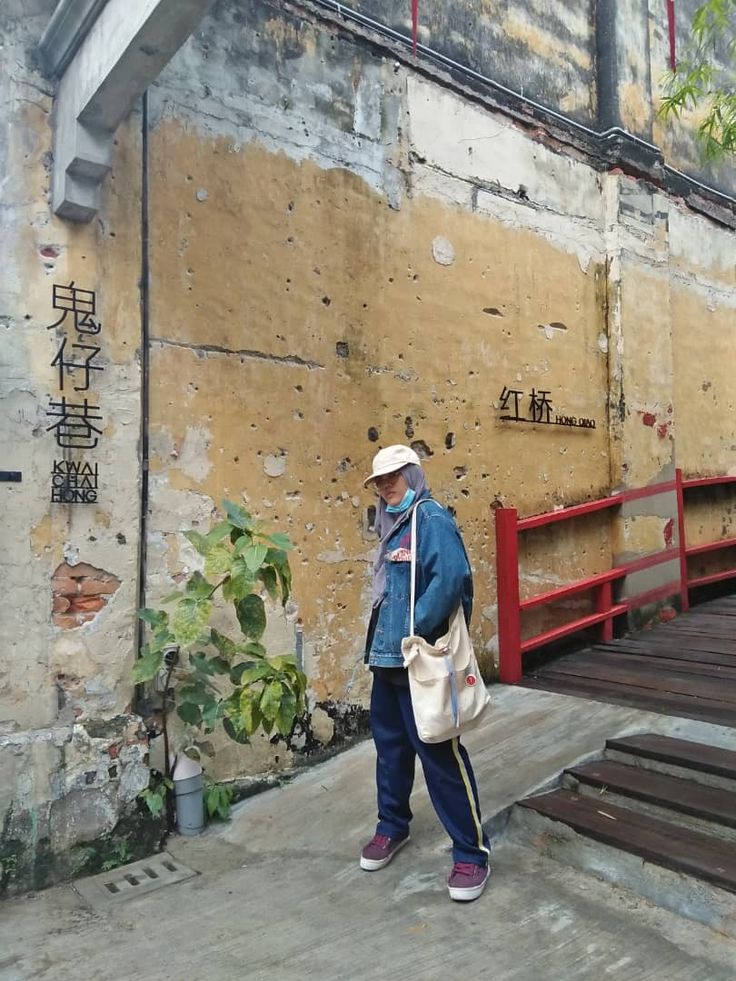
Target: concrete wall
601, 63
69, 747
344, 253
546, 50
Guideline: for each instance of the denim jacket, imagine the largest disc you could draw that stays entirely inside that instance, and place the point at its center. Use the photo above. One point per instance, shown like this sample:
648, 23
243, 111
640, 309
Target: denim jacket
444, 579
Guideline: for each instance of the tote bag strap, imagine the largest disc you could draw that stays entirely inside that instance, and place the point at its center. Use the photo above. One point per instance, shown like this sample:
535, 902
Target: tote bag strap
414, 549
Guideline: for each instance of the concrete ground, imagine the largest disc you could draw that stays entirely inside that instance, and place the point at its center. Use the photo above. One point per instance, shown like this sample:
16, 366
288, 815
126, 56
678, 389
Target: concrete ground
280, 896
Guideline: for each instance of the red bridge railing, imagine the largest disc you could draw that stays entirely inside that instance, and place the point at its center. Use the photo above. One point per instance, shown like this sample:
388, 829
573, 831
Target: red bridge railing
605, 608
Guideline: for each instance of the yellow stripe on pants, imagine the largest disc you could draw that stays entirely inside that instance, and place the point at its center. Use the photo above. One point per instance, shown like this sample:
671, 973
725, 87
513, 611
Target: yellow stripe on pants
471, 798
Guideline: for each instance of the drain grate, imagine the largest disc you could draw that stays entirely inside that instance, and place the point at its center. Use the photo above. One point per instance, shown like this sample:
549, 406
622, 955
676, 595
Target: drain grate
128, 881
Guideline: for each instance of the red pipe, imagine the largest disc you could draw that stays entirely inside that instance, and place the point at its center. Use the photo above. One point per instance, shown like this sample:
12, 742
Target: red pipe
671, 28
414, 25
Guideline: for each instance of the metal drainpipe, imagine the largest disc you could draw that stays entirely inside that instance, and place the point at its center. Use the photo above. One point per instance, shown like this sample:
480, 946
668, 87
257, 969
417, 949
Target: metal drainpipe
145, 303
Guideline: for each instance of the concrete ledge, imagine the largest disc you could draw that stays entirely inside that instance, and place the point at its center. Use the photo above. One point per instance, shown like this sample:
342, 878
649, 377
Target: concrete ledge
67, 28
119, 49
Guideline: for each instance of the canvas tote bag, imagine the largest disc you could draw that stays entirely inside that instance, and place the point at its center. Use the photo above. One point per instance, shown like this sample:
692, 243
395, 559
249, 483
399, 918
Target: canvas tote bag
447, 692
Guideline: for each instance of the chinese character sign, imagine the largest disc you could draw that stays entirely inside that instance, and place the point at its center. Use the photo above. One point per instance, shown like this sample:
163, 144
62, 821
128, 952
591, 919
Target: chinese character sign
536, 409
76, 420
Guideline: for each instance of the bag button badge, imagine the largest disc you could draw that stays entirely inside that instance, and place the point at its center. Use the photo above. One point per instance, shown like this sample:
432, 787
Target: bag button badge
470, 680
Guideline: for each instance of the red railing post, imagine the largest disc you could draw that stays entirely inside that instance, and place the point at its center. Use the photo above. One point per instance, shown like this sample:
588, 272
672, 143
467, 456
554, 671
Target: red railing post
684, 595
507, 591
603, 604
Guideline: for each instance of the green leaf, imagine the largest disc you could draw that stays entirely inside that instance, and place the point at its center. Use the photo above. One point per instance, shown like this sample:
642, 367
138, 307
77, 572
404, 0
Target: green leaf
209, 666
200, 663
189, 713
251, 614
197, 587
210, 714
237, 670
280, 561
194, 694
250, 712
255, 673
154, 618
267, 575
280, 541
286, 713
226, 647
148, 665
240, 583
218, 799
221, 530
172, 597
271, 701
219, 559
154, 799
253, 649
237, 515
162, 638
254, 556
244, 540
199, 541
236, 733
189, 619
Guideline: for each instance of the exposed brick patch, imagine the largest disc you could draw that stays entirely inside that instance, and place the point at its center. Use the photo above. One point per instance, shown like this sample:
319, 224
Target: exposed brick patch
669, 532
79, 592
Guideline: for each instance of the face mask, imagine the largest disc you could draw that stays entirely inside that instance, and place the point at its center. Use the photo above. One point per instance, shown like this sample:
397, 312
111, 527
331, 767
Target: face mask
406, 502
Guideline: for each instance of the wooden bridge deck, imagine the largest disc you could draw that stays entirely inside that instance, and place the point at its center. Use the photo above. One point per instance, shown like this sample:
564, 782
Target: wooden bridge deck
686, 667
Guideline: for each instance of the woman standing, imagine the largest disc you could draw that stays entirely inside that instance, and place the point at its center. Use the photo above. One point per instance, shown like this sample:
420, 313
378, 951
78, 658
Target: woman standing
444, 580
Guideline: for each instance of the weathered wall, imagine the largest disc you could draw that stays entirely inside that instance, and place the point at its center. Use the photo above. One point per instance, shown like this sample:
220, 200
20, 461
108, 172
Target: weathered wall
71, 755
344, 254
350, 255
544, 50
356, 214
601, 63
703, 312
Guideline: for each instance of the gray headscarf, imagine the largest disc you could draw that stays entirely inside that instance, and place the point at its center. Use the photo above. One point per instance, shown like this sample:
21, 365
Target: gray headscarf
386, 522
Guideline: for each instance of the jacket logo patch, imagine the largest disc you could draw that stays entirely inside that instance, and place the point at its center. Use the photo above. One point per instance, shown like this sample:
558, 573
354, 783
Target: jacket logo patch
399, 555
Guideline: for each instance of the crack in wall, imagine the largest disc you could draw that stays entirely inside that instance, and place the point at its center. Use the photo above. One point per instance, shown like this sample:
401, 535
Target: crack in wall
498, 190
293, 360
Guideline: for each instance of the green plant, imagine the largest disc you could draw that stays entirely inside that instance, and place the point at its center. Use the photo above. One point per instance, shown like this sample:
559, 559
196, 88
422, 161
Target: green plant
120, 854
218, 799
705, 78
212, 679
154, 796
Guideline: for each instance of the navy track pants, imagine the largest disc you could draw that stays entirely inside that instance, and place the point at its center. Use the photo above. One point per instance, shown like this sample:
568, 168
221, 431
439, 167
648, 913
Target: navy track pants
447, 771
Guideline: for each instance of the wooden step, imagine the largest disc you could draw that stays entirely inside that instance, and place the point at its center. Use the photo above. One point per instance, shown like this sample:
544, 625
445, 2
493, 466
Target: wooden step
678, 752
654, 840
683, 656
606, 667
637, 697
614, 659
684, 796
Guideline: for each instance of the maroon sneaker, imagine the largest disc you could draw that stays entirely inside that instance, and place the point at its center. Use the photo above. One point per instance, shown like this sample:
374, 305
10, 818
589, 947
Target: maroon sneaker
467, 881
379, 851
